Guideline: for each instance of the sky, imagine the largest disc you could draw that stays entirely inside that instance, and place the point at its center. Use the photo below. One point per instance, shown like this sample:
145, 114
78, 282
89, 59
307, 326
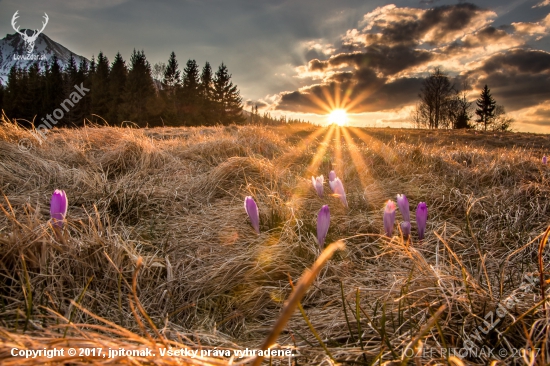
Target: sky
304, 58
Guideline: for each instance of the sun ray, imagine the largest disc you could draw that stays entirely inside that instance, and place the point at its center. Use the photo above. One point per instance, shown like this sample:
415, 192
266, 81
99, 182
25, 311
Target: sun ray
338, 152
321, 151
357, 159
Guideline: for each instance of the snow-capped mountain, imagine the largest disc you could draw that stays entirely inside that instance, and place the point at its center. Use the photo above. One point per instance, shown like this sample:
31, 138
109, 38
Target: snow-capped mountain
13, 52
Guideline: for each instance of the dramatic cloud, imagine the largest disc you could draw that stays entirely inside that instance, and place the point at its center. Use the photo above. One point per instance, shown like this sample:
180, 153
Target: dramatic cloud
380, 66
361, 91
543, 3
518, 78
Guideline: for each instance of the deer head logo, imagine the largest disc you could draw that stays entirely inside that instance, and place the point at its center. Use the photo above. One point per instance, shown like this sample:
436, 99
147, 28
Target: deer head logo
29, 40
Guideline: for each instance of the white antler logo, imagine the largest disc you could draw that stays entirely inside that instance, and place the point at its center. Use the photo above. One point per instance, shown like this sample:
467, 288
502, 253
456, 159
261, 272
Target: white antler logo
29, 40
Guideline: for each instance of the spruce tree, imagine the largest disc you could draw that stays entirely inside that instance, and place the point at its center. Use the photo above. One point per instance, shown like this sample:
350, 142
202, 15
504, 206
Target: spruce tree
35, 89
171, 84
229, 108
485, 107
69, 80
117, 83
54, 90
172, 73
139, 92
206, 93
190, 100
100, 89
84, 105
12, 93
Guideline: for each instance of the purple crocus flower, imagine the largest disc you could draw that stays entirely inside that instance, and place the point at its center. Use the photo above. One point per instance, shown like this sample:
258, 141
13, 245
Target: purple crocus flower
406, 229
252, 211
58, 207
338, 189
389, 218
421, 219
318, 184
544, 160
331, 178
403, 204
323, 222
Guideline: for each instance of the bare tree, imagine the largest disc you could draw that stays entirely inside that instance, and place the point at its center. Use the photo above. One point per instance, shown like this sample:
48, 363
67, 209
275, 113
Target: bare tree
460, 110
158, 71
501, 121
436, 100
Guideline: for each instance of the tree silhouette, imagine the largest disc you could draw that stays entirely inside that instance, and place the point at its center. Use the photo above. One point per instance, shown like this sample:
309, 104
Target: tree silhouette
229, 108
485, 107
171, 84
206, 93
69, 80
139, 91
83, 77
189, 97
100, 89
436, 95
117, 82
119, 93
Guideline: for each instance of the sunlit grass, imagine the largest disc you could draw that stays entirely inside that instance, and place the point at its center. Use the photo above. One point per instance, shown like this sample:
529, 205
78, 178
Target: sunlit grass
174, 197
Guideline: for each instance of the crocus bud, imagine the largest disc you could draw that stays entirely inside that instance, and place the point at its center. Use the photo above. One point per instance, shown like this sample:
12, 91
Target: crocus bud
252, 211
544, 160
403, 204
331, 178
389, 218
58, 207
318, 184
421, 219
339, 191
406, 229
323, 222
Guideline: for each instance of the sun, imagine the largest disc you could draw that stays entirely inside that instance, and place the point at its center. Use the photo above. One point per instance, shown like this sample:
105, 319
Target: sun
339, 117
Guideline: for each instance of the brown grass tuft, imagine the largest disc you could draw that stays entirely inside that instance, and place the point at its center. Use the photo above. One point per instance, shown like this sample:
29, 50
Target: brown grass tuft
158, 249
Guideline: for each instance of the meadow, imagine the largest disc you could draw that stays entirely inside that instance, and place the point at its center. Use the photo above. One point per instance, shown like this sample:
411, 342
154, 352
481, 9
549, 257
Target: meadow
157, 248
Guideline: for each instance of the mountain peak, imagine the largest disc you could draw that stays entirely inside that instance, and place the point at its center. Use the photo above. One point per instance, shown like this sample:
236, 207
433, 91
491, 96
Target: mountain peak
13, 51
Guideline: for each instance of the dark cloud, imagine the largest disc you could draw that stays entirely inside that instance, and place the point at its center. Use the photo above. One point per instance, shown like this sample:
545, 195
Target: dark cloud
363, 76
363, 89
481, 38
519, 60
387, 59
439, 21
518, 78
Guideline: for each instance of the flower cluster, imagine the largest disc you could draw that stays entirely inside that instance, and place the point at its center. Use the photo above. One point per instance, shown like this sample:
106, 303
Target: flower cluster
403, 205
323, 217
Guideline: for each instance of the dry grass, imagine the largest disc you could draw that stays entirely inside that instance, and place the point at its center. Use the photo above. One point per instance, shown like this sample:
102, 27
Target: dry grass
174, 198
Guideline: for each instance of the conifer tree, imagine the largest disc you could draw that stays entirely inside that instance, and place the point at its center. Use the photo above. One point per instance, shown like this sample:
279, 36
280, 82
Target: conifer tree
100, 89
139, 92
84, 105
485, 107
34, 90
54, 89
117, 83
69, 80
190, 94
171, 83
206, 93
172, 73
12, 94
229, 106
